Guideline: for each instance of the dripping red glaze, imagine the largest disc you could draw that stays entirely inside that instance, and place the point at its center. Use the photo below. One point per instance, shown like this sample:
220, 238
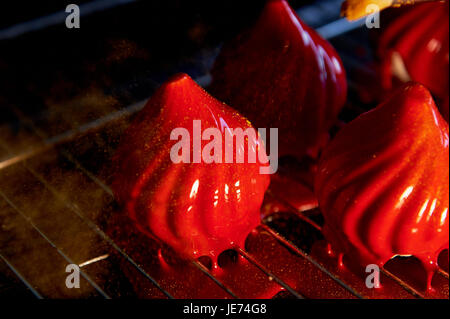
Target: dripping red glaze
198, 209
179, 276
183, 280
382, 182
418, 38
282, 74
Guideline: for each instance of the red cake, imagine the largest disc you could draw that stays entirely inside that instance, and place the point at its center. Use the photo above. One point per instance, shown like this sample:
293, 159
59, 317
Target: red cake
198, 209
414, 45
282, 74
383, 182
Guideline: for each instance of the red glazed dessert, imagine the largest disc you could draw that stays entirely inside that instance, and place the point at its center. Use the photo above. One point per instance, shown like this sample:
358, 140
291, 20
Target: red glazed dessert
198, 209
282, 74
415, 46
383, 182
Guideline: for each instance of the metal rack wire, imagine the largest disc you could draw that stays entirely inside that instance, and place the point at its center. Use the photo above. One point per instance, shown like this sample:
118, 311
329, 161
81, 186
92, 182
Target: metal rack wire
201, 267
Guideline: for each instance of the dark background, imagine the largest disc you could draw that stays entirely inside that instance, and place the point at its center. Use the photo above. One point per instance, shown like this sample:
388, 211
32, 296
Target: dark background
113, 48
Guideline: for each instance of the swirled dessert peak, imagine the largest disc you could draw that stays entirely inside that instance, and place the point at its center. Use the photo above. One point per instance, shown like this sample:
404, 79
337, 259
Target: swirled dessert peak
383, 181
415, 46
282, 74
180, 187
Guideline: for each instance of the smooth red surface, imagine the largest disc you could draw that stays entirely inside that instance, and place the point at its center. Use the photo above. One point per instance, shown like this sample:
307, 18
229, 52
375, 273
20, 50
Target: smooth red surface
421, 36
383, 182
198, 209
282, 74
294, 193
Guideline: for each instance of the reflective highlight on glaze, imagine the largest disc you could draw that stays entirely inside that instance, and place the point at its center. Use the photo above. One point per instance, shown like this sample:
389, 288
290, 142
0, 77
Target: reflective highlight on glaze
383, 182
420, 36
197, 209
282, 74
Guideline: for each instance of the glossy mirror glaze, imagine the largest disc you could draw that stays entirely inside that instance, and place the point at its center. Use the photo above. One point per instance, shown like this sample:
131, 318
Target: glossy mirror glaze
198, 209
383, 182
282, 74
420, 37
